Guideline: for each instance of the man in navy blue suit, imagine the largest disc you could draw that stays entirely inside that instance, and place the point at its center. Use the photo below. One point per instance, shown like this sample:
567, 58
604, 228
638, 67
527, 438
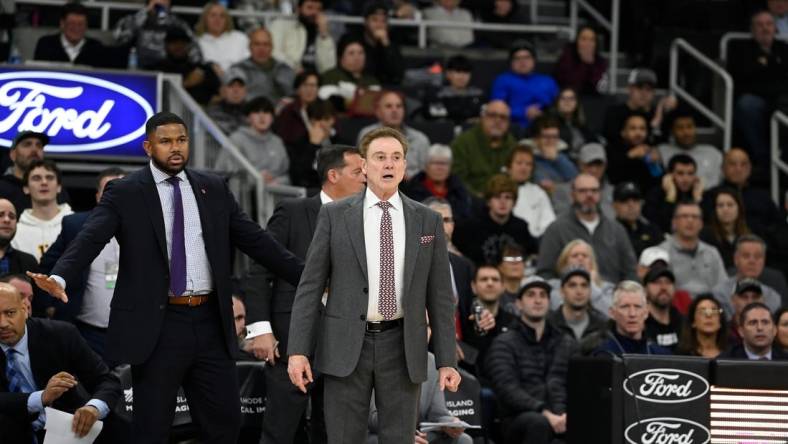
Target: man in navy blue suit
171, 314
92, 292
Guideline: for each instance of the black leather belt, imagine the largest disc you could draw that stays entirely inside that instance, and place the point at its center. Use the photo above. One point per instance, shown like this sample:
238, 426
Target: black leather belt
379, 326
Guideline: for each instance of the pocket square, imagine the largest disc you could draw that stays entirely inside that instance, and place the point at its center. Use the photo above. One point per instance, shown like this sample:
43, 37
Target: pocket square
425, 240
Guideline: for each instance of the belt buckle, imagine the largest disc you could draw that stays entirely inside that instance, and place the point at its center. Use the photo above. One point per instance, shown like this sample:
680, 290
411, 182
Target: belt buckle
374, 326
189, 301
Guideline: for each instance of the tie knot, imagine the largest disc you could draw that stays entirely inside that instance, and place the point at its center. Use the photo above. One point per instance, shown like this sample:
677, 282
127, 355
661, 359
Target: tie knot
385, 205
10, 353
173, 180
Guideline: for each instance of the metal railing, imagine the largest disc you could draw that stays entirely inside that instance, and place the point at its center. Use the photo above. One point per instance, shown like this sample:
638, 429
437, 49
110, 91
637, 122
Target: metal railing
612, 26
777, 164
724, 121
267, 16
729, 36
208, 142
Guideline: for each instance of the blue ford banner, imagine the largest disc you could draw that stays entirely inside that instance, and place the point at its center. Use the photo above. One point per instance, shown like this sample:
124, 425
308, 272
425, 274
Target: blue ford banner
83, 112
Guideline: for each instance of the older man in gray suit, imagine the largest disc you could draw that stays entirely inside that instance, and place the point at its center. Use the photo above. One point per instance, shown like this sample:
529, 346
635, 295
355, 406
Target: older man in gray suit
383, 259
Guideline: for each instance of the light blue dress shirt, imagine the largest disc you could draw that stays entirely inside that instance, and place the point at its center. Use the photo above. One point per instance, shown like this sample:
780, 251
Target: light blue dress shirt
35, 402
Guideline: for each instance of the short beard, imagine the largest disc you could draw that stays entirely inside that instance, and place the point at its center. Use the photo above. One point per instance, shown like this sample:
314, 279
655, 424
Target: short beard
166, 169
655, 302
6, 241
533, 319
585, 209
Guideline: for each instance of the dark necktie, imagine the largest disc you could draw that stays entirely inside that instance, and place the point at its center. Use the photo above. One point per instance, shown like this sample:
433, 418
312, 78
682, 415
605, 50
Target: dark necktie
387, 299
178, 244
17, 383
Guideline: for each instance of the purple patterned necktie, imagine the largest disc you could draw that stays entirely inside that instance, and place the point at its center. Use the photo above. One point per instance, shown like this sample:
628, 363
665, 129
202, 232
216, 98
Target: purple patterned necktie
387, 299
178, 244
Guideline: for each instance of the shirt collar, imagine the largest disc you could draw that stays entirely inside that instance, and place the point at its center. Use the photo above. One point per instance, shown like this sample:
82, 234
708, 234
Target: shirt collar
325, 198
66, 44
160, 176
20, 346
753, 357
371, 200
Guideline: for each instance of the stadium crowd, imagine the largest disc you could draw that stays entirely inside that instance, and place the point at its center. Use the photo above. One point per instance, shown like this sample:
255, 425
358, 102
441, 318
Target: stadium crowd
565, 239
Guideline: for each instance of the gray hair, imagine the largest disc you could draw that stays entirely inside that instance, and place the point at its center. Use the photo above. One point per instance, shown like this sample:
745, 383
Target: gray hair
439, 151
752, 238
436, 202
628, 287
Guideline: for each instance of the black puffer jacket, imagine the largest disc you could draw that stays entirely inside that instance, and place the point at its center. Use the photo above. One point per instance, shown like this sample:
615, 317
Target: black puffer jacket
530, 375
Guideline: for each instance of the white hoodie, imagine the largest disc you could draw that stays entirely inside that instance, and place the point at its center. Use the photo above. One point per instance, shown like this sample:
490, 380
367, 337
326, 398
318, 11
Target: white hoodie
34, 235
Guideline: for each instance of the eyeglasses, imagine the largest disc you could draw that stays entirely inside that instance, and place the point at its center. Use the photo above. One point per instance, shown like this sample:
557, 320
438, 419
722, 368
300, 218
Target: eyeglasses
448, 220
688, 216
709, 312
512, 258
499, 116
587, 190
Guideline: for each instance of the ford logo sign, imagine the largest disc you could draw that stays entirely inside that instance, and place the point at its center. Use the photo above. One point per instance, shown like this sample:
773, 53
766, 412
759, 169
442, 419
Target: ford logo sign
667, 431
666, 385
80, 113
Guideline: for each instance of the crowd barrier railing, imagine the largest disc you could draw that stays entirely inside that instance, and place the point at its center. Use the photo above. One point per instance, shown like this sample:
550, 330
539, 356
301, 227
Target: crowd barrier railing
777, 165
612, 26
266, 17
723, 121
728, 37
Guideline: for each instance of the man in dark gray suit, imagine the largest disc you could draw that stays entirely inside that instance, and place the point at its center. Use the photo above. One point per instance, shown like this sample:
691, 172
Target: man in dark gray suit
383, 259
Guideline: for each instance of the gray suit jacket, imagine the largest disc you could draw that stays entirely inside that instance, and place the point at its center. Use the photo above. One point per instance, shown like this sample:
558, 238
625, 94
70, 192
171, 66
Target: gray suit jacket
337, 260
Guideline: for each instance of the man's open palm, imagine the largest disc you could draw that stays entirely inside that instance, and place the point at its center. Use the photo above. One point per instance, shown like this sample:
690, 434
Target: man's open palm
49, 285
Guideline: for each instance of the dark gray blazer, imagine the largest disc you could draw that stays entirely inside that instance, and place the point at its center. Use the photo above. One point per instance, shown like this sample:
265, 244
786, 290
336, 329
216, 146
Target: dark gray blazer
337, 260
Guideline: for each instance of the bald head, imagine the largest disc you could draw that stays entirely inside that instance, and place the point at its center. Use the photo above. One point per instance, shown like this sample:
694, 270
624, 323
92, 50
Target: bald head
13, 314
736, 166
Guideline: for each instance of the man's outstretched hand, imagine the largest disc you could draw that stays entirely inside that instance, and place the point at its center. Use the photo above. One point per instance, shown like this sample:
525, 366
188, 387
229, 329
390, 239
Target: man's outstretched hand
49, 285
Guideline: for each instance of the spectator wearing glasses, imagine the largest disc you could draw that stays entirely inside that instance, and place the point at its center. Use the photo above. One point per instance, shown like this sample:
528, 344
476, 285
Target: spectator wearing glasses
527, 93
482, 151
697, 265
705, 329
591, 160
608, 238
552, 165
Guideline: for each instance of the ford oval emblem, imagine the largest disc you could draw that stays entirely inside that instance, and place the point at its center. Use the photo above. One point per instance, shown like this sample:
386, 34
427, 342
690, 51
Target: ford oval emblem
79, 112
667, 431
666, 385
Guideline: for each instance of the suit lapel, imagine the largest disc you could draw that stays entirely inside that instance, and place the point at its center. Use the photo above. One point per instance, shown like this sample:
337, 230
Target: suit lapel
354, 221
37, 355
413, 231
151, 196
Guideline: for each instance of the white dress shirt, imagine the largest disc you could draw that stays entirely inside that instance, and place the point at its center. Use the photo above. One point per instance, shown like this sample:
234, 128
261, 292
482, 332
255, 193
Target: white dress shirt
372, 217
198, 269
264, 327
98, 293
72, 51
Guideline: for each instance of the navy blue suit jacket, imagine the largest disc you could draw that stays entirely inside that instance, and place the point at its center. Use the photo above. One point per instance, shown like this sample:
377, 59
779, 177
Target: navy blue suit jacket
70, 228
130, 210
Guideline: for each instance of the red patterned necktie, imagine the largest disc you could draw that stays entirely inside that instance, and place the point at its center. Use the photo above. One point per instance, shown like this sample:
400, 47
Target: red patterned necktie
387, 299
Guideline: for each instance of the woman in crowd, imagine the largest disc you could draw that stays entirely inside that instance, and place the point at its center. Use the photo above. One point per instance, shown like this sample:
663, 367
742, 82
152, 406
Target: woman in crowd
781, 321
533, 205
579, 253
348, 81
437, 181
726, 223
573, 128
705, 329
291, 123
264, 149
580, 66
219, 42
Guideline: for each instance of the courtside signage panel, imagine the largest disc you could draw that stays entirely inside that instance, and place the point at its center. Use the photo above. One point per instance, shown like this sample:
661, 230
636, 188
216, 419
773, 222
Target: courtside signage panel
83, 113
